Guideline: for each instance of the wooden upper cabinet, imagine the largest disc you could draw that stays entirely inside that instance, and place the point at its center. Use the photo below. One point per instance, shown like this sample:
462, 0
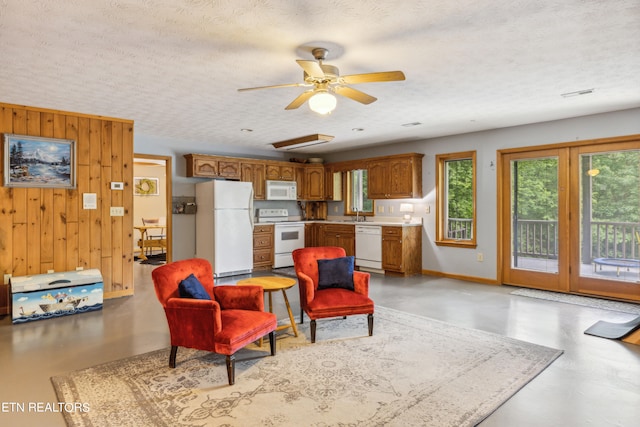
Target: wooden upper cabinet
332, 184
254, 173
377, 171
299, 172
395, 177
390, 177
203, 166
229, 169
280, 172
314, 183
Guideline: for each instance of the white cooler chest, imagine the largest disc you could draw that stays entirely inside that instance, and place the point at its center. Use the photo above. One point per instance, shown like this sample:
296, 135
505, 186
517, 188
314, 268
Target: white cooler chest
43, 296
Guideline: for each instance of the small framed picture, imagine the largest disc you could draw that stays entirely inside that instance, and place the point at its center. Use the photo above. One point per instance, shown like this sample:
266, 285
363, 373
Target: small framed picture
31, 161
146, 186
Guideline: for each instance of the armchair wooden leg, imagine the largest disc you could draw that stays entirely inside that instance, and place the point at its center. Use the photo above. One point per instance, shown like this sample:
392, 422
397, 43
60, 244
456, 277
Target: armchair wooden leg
272, 342
313, 330
231, 369
370, 321
172, 356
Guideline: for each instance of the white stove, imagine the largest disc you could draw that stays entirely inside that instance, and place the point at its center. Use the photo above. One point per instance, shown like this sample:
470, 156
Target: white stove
273, 215
288, 236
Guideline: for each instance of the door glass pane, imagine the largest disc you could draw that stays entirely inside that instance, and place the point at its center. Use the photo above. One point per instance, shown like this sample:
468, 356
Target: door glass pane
610, 215
534, 214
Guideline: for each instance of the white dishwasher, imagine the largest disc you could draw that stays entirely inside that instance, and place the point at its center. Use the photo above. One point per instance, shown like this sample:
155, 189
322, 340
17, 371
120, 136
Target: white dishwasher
369, 246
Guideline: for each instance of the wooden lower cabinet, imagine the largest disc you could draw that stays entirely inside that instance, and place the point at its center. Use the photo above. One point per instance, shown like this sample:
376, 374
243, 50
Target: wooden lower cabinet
402, 250
311, 235
401, 246
342, 235
263, 247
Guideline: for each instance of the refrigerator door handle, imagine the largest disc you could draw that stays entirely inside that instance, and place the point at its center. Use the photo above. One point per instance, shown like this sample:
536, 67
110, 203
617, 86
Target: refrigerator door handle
251, 213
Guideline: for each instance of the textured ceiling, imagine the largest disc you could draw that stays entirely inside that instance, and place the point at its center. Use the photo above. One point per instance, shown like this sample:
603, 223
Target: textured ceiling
174, 66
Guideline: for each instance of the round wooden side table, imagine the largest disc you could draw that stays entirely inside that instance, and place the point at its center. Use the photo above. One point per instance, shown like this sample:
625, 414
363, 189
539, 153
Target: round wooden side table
272, 284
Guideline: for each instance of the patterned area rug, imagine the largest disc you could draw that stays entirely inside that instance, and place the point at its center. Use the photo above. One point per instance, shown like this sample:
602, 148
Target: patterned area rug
413, 371
603, 304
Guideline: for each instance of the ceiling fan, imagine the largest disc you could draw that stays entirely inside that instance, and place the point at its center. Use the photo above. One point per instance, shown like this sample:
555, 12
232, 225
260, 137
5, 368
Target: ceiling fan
324, 80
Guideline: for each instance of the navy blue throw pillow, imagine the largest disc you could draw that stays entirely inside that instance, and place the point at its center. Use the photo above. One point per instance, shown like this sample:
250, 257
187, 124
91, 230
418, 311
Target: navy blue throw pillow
192, 288
336, 273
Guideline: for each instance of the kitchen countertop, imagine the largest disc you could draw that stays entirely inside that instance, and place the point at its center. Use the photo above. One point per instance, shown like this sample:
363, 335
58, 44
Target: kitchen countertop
350, 222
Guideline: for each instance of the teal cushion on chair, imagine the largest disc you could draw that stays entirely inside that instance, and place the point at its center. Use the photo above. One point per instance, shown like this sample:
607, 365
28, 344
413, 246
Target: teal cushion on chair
336, 273
192, 288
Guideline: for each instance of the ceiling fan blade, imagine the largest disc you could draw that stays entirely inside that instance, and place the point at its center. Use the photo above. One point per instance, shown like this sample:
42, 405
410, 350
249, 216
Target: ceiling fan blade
384, 76
301, 99
246, 89
354, 94
312, 68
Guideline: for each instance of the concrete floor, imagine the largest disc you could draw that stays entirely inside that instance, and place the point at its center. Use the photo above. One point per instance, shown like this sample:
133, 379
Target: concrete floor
596, 382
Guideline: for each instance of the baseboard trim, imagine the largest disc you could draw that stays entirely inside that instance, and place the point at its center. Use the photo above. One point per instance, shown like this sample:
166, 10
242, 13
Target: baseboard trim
461, 277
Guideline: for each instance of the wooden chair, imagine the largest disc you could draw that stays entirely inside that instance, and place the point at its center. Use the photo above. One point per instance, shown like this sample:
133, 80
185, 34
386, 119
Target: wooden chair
155, 234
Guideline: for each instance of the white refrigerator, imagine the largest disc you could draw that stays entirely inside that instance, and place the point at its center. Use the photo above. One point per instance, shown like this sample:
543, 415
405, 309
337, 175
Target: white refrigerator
224, 226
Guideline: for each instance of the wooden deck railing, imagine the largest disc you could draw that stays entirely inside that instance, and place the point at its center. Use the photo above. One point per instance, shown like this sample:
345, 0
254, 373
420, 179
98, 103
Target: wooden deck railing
539, 239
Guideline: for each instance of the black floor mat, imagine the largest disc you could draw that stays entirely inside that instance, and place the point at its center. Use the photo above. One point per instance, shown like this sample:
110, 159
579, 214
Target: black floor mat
154, 259
612, 330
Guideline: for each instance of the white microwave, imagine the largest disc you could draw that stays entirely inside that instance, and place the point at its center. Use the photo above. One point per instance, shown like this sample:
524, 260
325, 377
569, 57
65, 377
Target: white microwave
282, 190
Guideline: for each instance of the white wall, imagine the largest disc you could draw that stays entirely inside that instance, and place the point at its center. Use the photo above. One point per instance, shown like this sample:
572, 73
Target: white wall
458, 261
462, 261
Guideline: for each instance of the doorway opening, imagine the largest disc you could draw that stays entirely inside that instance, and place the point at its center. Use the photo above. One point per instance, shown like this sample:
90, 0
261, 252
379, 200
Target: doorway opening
152, 220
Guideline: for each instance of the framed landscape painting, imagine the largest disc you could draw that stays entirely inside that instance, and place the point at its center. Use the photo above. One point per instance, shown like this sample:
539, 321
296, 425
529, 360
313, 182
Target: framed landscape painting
31, 161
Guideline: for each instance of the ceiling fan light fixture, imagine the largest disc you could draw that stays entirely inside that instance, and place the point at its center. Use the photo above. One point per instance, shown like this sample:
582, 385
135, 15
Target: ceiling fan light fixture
323, 102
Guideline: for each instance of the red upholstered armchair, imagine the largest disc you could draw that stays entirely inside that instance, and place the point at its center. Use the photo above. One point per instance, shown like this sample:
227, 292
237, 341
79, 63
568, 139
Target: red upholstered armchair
230, 320
331, 302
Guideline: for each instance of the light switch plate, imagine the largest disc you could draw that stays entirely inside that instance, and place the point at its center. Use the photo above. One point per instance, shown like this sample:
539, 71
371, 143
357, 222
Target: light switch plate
117, 211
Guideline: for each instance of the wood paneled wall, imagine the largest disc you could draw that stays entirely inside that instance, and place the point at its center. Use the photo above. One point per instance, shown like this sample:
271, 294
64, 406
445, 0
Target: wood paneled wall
45, 229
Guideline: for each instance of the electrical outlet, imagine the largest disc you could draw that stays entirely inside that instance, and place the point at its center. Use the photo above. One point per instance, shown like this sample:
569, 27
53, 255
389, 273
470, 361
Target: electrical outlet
480, 257
390, 209
117, 211
335, 209
380, 209
50, 271
427, 209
